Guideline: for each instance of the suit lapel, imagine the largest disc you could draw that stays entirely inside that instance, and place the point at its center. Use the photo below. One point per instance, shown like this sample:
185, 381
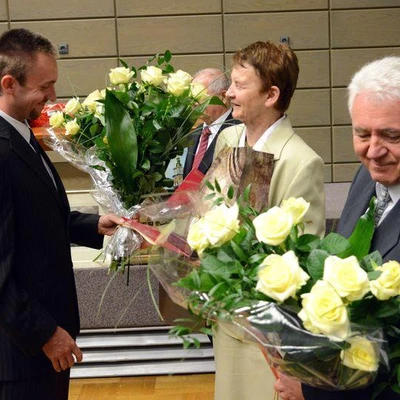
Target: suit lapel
26, 154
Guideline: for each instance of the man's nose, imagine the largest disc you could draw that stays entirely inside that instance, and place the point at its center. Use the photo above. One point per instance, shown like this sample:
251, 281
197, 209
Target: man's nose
377, 148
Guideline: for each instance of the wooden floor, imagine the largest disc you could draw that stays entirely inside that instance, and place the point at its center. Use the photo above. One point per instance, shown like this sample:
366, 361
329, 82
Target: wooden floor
176, 387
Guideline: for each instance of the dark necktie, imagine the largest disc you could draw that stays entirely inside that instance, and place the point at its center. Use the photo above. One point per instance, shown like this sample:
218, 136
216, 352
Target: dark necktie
382, 201
36, 146
34, 143
202, 147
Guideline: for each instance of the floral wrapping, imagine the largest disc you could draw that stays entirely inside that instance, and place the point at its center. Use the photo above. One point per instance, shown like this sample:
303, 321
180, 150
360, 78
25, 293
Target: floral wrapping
314, 306
125, 135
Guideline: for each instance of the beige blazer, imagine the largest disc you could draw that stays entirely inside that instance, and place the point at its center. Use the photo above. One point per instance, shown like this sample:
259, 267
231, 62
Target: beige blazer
298, 170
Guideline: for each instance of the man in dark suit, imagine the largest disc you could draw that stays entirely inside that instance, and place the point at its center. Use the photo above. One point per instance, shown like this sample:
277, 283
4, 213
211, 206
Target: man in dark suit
39, 317
374, 106
215, 119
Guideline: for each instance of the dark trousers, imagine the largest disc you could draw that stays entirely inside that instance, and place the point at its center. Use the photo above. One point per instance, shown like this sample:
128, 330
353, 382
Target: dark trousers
50, 387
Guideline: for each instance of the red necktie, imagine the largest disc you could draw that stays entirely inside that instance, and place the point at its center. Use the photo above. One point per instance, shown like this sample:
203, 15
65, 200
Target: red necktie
202, 147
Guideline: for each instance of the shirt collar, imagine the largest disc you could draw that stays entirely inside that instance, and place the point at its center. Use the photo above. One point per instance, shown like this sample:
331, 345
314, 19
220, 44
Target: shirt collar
216, 125
259, 145
22, 128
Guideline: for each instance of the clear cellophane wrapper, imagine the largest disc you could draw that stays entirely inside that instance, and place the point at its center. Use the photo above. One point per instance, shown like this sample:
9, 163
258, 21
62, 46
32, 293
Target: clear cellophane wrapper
288, 347
314, 359
125, 241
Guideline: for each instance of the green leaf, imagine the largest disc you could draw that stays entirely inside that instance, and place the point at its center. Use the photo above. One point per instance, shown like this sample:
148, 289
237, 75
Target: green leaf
360, 239
369, 262
238, 251
334, 243
167, 56
373, 275
315, 263
122, 139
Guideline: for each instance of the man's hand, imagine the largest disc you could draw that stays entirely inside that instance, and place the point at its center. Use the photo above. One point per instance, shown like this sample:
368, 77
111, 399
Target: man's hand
288, 388
61, 349
108, 223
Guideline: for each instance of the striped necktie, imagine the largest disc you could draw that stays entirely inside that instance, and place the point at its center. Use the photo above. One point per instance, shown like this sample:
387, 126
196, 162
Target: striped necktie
203, 145
382, 201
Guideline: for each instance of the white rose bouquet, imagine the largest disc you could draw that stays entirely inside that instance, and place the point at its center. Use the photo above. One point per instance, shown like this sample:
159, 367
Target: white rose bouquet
323, 310
125, 135
133, 128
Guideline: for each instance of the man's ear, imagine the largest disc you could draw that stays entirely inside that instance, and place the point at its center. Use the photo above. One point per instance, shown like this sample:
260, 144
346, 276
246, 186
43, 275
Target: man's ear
272, 96
8, 83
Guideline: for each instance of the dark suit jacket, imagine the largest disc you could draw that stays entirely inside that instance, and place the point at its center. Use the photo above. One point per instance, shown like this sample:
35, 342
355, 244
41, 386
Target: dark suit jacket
37, 288
208, 156
386, 240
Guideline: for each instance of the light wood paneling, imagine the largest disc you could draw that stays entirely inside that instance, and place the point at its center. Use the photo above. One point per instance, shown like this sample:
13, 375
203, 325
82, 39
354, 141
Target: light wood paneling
162, 7
314, 69
189, 63
343, 150
85, 38
81, 77
365, 28
319, 139
306, 30
3, 10
344, 172
39, 9
340, 115
364, 3
3, 27
175, 387
310, 108
345, 63
189, 34
273, 5
328, 173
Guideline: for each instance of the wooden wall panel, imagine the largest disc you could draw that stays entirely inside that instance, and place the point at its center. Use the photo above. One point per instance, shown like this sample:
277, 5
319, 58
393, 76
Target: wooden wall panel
85, 38
3, 10
273, 5
314, 69
310, 108
365, 28
345, 63
344, 172
340, 114
189, 34
343, 150
81, 77
364, 3
162, 7
41, 10
319, 139
306, 30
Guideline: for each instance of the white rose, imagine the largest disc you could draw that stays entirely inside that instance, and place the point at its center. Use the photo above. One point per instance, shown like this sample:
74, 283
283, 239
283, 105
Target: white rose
388, 284
297, 207
198, 91
178, 82
362, 354
273, 226
221, 224
72, 106
56, 119
281, 276
324, 312
347, 277
197, 239
72, 128
91, 100
120, 75
152, 75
